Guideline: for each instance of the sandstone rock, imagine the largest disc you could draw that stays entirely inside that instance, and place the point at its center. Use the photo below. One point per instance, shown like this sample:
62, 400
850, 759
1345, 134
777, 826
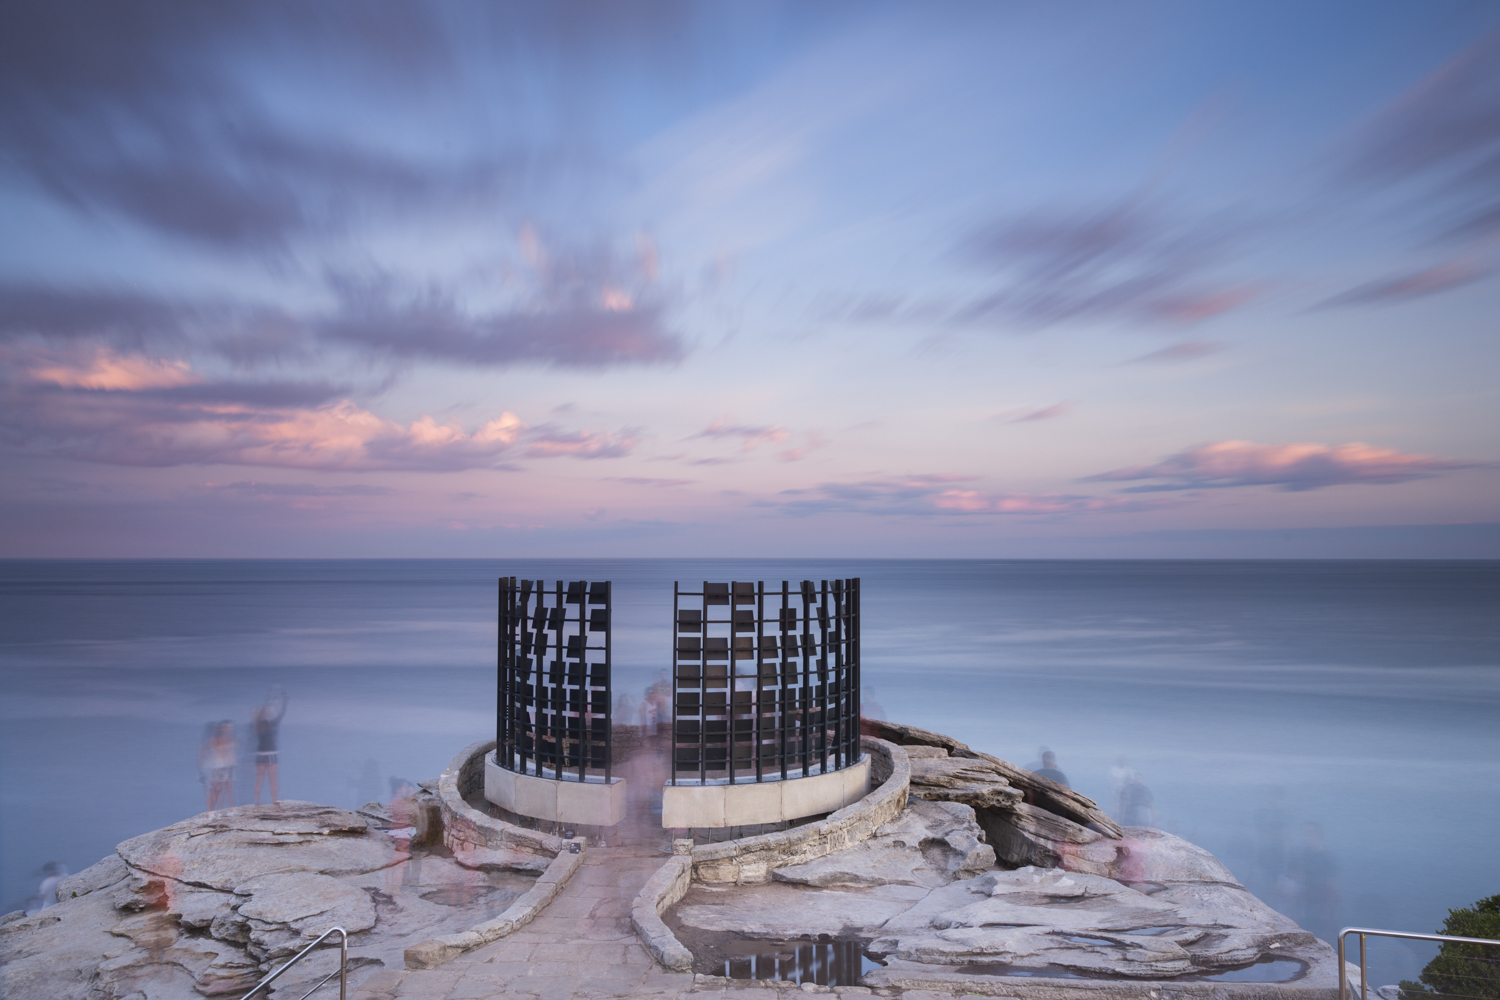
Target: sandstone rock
1150, 855
952, 779
1027, 835
1037, 919
930, 844
283, 912
99, 875
223, 849
1038, 790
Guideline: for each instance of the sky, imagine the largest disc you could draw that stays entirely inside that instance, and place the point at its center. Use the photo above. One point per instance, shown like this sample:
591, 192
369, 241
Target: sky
737, 279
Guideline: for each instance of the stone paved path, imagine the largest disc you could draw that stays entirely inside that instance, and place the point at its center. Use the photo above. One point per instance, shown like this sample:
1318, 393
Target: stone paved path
582, 946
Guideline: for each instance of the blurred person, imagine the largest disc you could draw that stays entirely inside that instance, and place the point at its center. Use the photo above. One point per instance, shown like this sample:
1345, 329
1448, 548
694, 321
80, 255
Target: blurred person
870, 709
1137, 805
649, 716
53, 872
205, 769
265, 720
407, 827
1049, 769
1269, 868
223, 753
1315, 872
627, 710
365, 780
1119, 777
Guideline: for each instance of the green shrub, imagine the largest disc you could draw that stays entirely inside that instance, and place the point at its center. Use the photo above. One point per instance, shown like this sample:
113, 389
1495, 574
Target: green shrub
1463, 970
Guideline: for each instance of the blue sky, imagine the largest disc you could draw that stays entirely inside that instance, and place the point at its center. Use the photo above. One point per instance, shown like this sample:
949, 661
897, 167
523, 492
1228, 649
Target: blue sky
675, 279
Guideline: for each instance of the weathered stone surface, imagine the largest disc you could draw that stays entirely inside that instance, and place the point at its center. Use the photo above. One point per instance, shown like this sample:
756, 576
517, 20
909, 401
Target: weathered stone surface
100, 875
278, 914
222, 898
781, 910
1027, 835
1149, 855
1037, 918
931, 843
221, 850
1038, 790
955, 779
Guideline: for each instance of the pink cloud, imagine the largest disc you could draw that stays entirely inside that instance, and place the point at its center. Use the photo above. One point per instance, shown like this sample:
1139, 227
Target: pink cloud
1026, 415
546, 442
1295, 467
750, 437
139, 410
647, 481
1189, 350
939, 494
106, 369
814, 442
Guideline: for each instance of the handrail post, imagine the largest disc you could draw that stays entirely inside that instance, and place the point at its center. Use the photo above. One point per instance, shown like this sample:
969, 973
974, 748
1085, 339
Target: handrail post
1363, 987
1343, 975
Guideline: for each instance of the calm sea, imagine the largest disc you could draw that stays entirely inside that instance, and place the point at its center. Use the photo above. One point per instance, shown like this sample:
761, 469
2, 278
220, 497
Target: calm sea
1330, 730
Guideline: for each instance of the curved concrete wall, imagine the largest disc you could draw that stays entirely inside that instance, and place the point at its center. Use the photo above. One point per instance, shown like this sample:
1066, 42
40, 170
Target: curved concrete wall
590, 803
752, 802
466, 828
750, 860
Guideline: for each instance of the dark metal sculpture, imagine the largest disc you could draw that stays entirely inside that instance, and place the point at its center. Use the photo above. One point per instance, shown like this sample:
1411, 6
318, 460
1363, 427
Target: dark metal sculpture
765, 682
555, 700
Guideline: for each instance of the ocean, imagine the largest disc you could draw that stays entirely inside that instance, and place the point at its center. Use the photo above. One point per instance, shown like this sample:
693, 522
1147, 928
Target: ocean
1330, 730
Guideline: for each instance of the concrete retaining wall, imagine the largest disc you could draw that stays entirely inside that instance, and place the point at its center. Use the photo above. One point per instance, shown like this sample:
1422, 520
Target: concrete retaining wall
466, 828
750, 860
468, 831
666, 887
431, 954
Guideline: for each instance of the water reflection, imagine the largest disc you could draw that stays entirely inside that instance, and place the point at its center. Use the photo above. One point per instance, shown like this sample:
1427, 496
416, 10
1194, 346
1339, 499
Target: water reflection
825, 963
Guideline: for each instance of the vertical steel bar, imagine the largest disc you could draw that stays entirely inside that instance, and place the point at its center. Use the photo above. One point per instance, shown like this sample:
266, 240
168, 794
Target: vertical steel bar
1362, 976
676, 609
781, 688
703, 686
755, 701
609, 680
730, 681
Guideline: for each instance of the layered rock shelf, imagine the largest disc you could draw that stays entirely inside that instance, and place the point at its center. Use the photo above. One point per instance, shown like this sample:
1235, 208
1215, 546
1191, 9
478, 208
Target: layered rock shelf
958, 873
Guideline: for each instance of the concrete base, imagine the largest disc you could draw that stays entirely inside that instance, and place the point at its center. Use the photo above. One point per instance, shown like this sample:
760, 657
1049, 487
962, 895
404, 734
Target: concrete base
588, 803
690, 806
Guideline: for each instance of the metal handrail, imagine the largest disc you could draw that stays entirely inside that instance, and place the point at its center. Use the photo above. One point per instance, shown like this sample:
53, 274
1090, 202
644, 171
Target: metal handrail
342, 972
1362, 931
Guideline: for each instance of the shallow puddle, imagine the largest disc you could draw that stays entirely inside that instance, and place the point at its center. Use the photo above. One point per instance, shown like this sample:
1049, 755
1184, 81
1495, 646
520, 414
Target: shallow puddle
826, 963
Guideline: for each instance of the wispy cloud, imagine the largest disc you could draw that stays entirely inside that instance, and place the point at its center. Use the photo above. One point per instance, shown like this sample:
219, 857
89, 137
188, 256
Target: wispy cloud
941, 494
1032, 414
1439, 143
1413, 284
550, 442
648, 481
1295, 467
1128, 260
143, 410
252, 488
568, 322
749, 437
1188, 350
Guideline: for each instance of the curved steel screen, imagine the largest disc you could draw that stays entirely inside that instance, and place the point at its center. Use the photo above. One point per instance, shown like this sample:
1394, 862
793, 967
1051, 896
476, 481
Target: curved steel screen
554, 685
766, 681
